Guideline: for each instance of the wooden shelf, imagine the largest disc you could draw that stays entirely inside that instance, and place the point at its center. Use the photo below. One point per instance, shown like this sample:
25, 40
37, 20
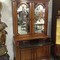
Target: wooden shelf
18, 38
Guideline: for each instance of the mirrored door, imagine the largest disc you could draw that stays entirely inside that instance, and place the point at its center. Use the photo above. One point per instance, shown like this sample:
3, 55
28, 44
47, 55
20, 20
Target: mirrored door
39, 18
23, 12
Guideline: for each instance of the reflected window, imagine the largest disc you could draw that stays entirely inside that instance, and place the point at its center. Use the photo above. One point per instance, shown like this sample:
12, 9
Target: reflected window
39, 20
23, 19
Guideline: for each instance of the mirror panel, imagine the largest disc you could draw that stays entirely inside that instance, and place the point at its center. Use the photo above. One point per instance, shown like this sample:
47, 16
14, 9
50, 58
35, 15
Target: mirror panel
23, 19
39, 18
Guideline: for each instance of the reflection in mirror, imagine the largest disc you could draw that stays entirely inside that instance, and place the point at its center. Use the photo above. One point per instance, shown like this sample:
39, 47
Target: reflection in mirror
39, 19
23, 19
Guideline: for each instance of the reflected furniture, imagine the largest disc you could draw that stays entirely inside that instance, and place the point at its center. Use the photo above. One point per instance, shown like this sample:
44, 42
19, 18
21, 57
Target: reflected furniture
30, 22
57, 46
55, 29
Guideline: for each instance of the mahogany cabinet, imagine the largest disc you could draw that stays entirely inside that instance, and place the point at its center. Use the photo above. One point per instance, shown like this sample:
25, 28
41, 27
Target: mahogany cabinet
30, 19
30, 22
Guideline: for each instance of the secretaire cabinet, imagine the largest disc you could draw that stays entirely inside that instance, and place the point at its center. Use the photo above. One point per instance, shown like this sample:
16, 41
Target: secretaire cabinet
30, 22
30, 19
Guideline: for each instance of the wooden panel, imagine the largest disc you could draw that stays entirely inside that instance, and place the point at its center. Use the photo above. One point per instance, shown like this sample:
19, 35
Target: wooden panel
26, 54
43, 51
16, 50
17, 54
14, 10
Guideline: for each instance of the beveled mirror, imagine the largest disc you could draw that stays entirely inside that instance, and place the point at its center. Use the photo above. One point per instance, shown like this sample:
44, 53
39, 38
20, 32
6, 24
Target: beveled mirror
23, 19
39, 18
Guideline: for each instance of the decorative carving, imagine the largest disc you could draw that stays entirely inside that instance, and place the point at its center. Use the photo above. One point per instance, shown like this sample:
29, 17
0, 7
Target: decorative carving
3, 49
2, 31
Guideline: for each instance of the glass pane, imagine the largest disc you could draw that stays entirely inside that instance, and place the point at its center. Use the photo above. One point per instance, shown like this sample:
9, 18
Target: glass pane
39, 19
58, 31
23, 19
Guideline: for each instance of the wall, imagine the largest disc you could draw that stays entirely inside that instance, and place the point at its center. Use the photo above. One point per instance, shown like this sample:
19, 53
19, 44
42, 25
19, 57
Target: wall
7, 18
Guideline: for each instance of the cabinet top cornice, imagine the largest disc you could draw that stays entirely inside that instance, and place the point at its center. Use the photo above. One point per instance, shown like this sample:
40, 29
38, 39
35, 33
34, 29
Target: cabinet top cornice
31, 0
